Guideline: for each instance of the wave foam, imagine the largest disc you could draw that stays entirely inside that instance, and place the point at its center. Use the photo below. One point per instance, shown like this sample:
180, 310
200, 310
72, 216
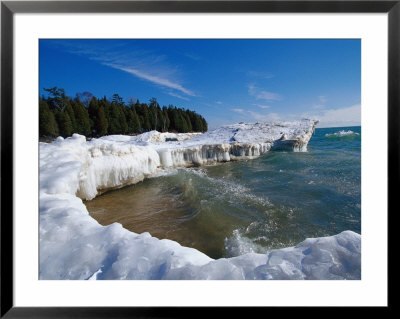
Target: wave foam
239, 244
342, 133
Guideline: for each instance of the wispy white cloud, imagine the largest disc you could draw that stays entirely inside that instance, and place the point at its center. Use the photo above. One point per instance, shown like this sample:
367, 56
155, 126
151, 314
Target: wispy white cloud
238, 110
252, 89
178, 96
262, 106
218, 102
192, 56
263, 95
261, 75
152, 78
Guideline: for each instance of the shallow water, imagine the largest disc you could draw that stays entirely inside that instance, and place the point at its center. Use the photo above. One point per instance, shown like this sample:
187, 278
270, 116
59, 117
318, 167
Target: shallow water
229, 209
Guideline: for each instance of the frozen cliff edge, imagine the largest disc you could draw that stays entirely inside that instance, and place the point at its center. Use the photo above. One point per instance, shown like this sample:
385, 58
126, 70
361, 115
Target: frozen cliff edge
238, 141
74, 246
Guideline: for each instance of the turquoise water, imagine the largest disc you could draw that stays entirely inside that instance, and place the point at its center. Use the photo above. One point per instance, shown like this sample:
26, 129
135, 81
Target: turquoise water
228, 209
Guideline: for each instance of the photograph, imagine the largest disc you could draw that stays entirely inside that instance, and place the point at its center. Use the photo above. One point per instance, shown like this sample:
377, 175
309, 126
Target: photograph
199, 158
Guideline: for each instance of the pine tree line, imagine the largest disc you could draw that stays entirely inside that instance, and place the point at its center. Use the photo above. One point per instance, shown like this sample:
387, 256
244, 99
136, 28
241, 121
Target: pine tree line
60, 115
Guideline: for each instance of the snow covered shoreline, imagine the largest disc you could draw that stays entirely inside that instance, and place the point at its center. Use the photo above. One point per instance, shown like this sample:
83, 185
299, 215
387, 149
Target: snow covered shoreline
74, 246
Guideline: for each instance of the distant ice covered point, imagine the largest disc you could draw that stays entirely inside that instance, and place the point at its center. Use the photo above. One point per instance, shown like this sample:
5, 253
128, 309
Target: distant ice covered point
227, 143
75, 246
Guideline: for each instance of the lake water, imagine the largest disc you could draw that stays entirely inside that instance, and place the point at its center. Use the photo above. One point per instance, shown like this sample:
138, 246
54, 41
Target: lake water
228, 209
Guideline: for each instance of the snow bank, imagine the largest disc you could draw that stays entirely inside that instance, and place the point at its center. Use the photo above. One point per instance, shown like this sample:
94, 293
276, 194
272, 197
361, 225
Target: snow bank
335, 257
75, 246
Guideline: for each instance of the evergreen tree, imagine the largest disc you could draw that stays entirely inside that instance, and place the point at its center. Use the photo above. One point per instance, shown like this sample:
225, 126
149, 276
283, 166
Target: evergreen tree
166, 121
154, 113
132, 119
160, 120
114, 123
141, 121
124, 124
171, 117
146, 118
205, 126
47, 123
117, 124
82, 119
152, 118
198, 125
189, 124
69, 110
129, 119
136, 123
107, 108
185, 126
64, 123
93, 109
101, 123
178, 125
117, 99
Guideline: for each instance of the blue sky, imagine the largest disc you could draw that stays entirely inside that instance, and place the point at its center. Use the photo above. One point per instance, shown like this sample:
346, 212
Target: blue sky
226, 81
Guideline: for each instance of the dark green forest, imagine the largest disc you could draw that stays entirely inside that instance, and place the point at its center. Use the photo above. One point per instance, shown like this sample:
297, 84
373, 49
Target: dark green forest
61, 115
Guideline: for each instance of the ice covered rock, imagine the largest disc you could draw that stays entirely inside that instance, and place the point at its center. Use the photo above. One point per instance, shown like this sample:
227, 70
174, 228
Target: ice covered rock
238, 141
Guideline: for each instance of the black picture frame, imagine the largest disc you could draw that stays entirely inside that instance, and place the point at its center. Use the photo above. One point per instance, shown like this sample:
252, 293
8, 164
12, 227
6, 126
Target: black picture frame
9, 8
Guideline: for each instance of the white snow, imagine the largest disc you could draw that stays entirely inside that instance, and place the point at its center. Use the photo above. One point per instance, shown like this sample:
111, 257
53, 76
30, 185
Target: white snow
75, 246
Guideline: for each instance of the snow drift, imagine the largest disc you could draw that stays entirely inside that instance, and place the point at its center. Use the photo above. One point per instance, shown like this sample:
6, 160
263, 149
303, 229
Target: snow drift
75, 246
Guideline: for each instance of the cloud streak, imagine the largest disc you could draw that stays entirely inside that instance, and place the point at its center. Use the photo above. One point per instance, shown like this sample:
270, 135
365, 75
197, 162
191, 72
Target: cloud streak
178, 96
261, 75
262, 106
263, 95
238, 110
152, 78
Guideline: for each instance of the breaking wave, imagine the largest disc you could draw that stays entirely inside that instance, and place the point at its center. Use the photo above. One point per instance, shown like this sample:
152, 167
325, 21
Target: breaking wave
239, 244
342, 133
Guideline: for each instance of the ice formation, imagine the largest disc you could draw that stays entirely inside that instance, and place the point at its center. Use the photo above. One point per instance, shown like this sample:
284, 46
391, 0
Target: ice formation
75, 246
